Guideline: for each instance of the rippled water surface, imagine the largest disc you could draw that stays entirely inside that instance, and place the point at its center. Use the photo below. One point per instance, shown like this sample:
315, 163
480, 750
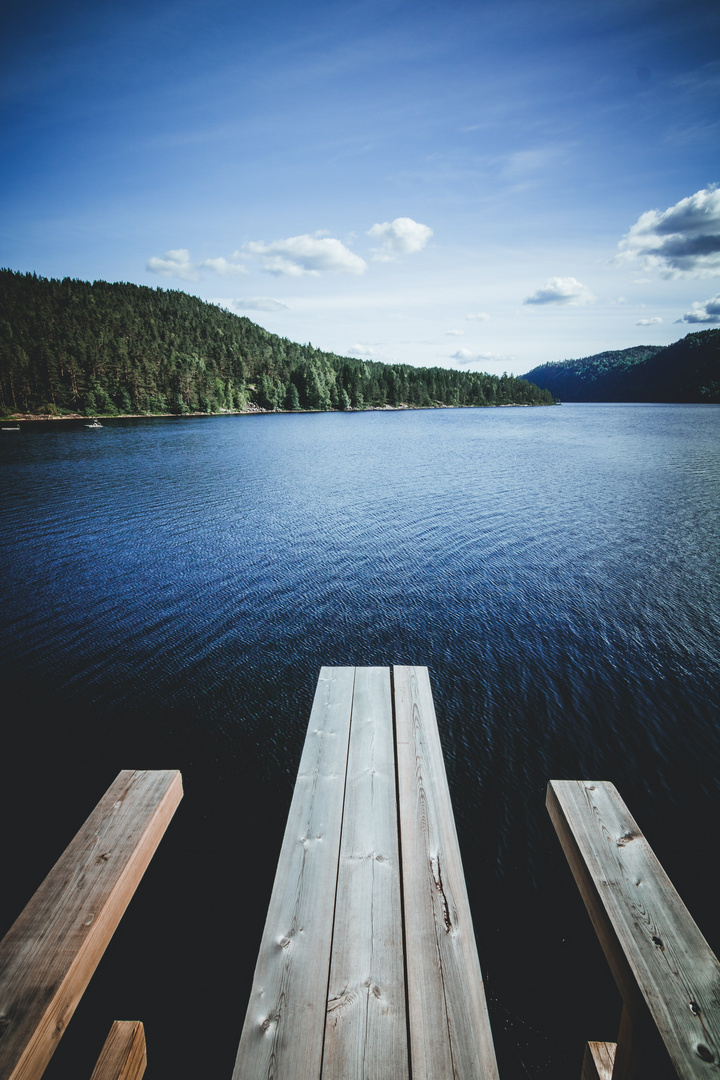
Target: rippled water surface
170, 589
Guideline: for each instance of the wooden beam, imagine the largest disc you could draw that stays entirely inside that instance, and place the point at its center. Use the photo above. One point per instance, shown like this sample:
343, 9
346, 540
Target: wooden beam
366, 1032
123, 1057
599, 1061
450, 1035
660, 960
284, 1026
50, 953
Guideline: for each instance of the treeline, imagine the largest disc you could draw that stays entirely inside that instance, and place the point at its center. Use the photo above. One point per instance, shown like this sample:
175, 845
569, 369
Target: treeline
688, 371
106, 349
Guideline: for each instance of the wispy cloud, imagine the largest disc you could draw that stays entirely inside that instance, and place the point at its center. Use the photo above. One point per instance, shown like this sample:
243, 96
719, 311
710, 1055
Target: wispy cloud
465, 356
655, 321
361, 350
682, 240
224, 267
561, 290
707, 311
306, 254
478, 316
454, 333
177, 263
403, 236
251, 303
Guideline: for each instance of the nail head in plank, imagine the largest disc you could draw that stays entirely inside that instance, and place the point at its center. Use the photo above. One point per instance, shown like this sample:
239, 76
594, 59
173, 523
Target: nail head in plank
282, 1036
50, 953
123, 1057
657, 954
366, 1031
449, 1025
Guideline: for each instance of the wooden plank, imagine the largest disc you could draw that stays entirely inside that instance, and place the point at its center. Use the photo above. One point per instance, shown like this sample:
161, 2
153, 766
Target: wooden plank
656, 951
123, 1057
50, 953
284, 1026
366, 1031
599, 1060
449, 1026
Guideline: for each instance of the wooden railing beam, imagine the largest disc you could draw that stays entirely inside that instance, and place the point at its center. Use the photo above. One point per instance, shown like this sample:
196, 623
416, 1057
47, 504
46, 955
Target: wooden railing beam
124, 1056
668, 976
50, 953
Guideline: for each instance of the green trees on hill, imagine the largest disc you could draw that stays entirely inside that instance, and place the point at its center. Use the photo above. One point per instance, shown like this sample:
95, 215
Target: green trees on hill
686, 371
106, 349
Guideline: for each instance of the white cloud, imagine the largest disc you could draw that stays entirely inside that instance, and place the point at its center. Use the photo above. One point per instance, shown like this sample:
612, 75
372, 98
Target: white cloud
223, 267
561, 290
175, 264
478, 316
684, 239
307, 254
465, 356
251, 303
706, 312
454, 333
361, 350
649, 322
403, 236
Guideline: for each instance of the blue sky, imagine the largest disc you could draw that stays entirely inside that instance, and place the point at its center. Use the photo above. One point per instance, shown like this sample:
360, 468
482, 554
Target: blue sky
485, 185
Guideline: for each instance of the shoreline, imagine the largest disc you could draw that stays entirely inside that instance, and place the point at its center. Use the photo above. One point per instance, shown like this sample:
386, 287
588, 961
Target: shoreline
258, 411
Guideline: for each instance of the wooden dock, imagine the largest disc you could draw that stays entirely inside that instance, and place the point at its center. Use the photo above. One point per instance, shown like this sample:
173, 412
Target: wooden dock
368, 967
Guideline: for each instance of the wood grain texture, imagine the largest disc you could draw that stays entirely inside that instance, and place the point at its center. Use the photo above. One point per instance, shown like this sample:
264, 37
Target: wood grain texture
366, 1031
123, 1057
50, 953
285, 1022
599, 1060
449, 1026
660, 959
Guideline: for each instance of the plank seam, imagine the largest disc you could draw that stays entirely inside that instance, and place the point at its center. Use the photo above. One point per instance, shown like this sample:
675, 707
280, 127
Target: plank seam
400, 867
337, 875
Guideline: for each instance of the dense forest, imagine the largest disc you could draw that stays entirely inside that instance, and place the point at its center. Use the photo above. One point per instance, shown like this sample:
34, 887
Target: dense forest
686, 371
69, 346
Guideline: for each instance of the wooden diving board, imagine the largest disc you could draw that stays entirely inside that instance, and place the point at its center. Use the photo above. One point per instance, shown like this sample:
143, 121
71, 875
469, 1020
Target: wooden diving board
668, 976
50, 953
368, 968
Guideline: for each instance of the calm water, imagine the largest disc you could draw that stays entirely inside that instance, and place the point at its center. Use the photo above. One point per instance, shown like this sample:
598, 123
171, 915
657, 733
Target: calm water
170, 589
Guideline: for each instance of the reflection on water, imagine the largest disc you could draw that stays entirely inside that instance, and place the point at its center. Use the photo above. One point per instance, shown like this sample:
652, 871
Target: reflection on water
171, 588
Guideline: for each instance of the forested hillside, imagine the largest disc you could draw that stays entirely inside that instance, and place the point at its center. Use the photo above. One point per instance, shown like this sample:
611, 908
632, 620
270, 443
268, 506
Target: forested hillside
105, 349
686, 371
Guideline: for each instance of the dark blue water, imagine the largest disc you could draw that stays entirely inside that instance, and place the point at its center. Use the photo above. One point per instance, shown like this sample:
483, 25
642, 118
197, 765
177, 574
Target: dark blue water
170, 589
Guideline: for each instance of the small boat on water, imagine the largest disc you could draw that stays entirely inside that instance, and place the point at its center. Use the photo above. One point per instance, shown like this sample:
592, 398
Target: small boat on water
94, 424
12, 428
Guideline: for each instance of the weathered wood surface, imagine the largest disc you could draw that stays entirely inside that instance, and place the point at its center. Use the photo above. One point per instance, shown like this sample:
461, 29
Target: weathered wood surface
50, 953
123, 1057
660, 960
449, 1026
366, 1035
599, 1061
285, 1023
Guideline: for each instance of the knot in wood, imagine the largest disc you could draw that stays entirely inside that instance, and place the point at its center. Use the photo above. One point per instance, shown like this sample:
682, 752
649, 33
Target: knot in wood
694, 1008
625, 838
704, 1052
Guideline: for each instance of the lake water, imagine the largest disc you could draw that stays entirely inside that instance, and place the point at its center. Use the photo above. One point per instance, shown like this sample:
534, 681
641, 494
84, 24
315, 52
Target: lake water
171, 587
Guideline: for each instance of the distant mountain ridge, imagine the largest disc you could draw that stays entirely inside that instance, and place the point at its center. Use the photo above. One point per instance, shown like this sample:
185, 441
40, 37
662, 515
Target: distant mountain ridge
688, 371
69, 347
